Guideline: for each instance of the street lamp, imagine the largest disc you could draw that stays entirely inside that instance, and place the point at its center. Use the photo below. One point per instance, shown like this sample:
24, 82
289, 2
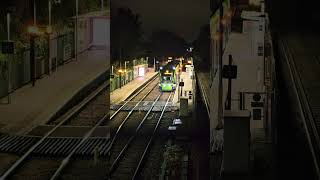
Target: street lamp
125, 70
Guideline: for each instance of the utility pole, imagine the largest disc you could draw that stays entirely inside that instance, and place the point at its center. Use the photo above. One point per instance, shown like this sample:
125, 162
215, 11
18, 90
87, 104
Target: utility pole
76, 32
49, 40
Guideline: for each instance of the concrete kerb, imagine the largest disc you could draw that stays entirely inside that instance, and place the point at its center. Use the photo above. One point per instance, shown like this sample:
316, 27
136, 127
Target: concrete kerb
73, 100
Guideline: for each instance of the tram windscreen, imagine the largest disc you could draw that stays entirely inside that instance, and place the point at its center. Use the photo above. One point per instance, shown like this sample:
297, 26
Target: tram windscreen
166, 79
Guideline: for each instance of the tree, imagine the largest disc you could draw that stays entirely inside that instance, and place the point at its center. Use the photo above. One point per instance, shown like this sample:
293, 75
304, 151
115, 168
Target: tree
126, 34
165, 43
202, 45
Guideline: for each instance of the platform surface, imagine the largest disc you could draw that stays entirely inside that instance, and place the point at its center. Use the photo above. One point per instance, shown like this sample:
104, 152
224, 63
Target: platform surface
125, 91
32, 106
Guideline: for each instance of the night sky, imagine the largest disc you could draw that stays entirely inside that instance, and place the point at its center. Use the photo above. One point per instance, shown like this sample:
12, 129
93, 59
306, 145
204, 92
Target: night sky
184, 17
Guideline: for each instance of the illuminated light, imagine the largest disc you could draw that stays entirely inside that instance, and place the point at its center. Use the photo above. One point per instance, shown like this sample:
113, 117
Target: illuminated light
216, 36
229, 13
49, 29
161, 68
120, 71
224, 21
141, 71
33, 30
167, 71
169, 57
173, 68
189, 62
177, 122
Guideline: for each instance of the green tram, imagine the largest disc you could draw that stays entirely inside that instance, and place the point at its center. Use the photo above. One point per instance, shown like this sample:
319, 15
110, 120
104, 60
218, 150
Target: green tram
169, 76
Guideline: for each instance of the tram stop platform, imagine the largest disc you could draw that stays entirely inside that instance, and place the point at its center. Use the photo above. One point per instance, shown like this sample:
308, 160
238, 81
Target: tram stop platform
121, 94
185, 93
32, 106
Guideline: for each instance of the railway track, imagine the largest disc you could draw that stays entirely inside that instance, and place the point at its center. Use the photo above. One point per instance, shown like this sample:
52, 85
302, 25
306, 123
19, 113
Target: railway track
304, 73
133, 143
46, 145
39, 150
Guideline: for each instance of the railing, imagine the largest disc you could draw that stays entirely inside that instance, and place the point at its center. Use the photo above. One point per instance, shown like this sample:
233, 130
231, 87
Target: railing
20, 63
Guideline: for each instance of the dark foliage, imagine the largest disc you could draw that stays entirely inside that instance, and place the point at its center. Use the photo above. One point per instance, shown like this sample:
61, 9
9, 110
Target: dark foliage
126, 34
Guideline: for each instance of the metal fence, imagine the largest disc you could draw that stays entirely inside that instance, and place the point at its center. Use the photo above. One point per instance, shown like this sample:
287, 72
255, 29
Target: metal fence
120, 80
61, 49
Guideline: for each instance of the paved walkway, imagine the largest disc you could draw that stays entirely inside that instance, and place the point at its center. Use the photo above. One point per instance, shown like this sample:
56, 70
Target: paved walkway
188, 86
31, 106
124, 92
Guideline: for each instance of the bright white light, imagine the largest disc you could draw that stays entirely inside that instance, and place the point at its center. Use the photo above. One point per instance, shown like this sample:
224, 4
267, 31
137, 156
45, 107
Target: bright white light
172, 128
141, 71
177, 122
173, 68
161, 68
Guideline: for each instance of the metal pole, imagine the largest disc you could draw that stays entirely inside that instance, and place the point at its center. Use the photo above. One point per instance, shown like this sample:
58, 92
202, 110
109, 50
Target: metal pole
49, 7
32, 59
102, 5
228, 105
125, 72
34, 13
49, 41
76, 32
154, 64
111, 69
9, 61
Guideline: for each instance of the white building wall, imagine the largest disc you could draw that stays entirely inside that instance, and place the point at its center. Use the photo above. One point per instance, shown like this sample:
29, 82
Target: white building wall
244, 48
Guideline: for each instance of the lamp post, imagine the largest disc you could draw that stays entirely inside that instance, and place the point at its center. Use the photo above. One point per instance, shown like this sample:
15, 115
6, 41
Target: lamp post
76, 32
125, 71
33, 31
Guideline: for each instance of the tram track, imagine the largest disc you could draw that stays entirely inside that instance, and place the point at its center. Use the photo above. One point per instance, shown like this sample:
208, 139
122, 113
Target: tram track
27, 161
126, 158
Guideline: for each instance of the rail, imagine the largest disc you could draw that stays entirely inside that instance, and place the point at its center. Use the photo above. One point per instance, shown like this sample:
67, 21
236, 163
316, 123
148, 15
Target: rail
12, 168
67, 159
150, 141
132, 137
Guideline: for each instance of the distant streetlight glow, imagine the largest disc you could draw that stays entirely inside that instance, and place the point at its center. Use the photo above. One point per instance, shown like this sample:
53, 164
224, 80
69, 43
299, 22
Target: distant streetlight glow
49, 29
34, 30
